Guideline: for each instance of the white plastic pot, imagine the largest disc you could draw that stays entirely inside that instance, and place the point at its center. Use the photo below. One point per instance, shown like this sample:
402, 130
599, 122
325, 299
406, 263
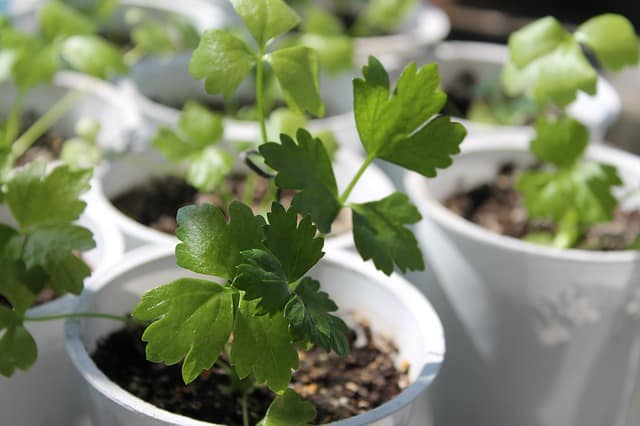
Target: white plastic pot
420, 32
484, 61
117, 115
138, 168
547, 337
393, 307
48, 393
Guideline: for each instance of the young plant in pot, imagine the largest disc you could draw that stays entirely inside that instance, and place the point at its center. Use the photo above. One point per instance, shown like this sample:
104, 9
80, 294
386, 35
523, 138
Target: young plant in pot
552, 265
396, 31
201, 144
254, 279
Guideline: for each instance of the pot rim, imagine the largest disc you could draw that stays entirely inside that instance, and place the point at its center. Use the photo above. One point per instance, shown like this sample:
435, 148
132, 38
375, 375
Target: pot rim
494, 53
149, 235
418, 188
433, 26
411, 297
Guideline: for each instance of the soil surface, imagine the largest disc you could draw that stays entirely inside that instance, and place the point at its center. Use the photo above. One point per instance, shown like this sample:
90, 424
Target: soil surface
338, 387
156, 203
460, 94
497, 207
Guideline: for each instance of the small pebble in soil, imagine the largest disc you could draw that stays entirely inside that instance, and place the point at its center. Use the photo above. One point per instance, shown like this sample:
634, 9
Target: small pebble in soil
338, 387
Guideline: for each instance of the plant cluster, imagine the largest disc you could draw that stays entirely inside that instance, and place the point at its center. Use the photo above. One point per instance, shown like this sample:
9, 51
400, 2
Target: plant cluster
550, 65
266, 299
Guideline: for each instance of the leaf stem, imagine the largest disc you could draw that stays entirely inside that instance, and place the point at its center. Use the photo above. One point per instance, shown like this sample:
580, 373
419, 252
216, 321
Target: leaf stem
245, 408
124, 319
13, 121
345, 195
39, 128
260, 95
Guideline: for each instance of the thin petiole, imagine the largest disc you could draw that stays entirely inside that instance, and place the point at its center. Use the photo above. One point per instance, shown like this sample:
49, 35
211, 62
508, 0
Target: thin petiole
44, 123
124, 319
345, 195
260, 95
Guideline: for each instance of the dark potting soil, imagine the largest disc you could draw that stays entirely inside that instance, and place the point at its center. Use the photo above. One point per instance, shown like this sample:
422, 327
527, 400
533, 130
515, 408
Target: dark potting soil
338, 387
497, 207
156, 202
460, 94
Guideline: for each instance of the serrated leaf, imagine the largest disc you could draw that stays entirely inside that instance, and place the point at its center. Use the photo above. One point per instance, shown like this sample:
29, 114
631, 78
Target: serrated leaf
208, 168
13, 285
192, 322
212, 246
585, 187
93, 55
294, 244
266, 19
7, 234
59, 20
202, 126
17, 347
262, 278
310, 320
296, 69
262, 347
289, 409
305, 166
613, 40
37, 199
380, 233
284, 120
52, 248
560, 142
223, 60
399, 126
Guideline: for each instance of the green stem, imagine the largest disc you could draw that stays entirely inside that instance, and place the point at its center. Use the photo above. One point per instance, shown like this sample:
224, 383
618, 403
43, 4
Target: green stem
260, 95
40, 127
249, 189
356, 178
245, 408
13, 120
124, 319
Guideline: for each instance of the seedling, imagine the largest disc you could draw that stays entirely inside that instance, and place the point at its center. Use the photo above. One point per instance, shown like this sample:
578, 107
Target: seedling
38, 250
549, 65
266, 300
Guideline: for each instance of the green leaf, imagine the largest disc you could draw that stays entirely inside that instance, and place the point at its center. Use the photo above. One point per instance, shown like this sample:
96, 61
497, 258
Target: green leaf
561, 142
223, 60
383, 16
262, 347
266, 19
203, 127
192, 321
306, 166
7, 235
400, 126
212, 246
59, 20
35, 67
261, 277
294, 245
296, 69
52, 248
284, 120
80, 153
93, 55
310, 320
208, 168
289, 409
612, 38
14, 287
548, 64
36, 199
536, 40
585, 187
17, 347
380, 233
335, 53
320, 22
